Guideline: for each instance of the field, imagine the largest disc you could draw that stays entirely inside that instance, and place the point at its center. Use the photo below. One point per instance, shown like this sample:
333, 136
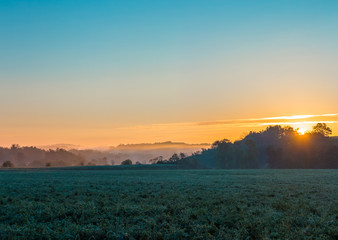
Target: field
169, 204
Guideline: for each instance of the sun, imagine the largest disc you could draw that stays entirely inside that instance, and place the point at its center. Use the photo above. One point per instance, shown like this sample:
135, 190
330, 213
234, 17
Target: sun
301, 131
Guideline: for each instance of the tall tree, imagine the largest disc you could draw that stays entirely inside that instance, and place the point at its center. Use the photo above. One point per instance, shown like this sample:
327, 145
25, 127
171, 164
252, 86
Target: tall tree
322, 129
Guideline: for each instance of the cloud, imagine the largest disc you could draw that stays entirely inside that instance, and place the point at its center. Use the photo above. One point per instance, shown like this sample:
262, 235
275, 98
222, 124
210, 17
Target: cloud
275, 120
298, 123
301, 116
250, 122
210, 131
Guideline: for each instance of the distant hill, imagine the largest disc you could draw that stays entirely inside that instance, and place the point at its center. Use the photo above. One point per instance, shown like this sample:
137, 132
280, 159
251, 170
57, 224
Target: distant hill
141, 152
64, 146
105, 155
138, 146
160, 145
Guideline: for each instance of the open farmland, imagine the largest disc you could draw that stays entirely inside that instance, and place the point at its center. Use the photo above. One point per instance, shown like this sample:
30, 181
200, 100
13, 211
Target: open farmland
169, 204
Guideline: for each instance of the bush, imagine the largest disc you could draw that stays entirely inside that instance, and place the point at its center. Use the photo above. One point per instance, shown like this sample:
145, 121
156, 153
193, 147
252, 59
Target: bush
127, 162
8, 164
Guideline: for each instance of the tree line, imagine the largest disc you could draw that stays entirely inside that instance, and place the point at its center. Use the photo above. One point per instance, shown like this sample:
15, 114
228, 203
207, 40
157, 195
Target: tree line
17, 156
274, 147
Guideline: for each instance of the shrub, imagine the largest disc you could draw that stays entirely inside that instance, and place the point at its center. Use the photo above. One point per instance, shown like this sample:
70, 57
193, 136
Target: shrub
127, 162
8, 164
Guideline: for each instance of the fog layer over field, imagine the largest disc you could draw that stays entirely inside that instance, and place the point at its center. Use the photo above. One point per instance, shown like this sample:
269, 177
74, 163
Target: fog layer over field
73, 155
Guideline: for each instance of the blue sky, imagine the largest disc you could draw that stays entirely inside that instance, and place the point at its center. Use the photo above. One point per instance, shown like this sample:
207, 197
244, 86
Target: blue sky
88, 64
96, 36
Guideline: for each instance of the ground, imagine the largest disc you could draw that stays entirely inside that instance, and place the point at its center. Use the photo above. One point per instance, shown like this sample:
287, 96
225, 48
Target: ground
168, 204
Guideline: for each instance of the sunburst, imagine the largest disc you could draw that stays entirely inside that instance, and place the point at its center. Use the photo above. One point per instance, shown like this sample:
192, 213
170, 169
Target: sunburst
301, 131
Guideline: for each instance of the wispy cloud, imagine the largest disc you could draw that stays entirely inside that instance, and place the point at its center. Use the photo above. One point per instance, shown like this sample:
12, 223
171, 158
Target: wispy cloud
297, 123
210, 131
300, 116
250, 122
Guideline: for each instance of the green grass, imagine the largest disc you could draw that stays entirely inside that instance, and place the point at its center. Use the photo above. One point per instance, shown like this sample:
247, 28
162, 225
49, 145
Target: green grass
169, 204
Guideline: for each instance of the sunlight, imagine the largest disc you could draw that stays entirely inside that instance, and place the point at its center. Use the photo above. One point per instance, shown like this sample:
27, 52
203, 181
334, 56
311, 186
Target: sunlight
301, 131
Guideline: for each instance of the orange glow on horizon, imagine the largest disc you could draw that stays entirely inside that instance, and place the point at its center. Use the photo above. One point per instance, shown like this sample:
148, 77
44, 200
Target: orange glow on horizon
189, 132
301, 131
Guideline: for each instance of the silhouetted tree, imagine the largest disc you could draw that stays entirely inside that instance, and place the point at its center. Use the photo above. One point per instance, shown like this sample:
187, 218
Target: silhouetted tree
322, 129
174, 158
8, 164
274, 147
156, 160
224, 153
15, 146
274, 156
251, 155
127, 162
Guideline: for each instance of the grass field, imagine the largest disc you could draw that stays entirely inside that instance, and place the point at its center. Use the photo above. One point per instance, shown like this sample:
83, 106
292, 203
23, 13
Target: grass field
169, 204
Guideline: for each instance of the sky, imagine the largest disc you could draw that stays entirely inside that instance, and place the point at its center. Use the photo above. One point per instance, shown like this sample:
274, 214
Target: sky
109, 72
